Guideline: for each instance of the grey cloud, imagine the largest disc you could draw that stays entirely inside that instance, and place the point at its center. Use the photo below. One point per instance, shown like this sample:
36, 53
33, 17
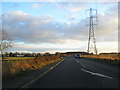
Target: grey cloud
108, 23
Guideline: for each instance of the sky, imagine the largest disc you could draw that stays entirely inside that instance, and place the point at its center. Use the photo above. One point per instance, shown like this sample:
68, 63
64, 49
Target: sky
58, 26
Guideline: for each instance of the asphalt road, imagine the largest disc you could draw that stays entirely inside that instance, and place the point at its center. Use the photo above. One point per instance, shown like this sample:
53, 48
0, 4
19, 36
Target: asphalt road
79, 73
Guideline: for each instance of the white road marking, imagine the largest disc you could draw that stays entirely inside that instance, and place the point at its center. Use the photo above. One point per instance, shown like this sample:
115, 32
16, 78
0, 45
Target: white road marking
97, 74
80, 63
51, 67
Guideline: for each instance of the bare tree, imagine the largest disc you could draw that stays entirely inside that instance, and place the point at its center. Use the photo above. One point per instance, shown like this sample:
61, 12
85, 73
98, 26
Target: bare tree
5, 44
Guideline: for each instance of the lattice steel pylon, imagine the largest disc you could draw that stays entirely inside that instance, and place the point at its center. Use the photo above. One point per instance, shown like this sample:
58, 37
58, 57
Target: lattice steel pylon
91, 31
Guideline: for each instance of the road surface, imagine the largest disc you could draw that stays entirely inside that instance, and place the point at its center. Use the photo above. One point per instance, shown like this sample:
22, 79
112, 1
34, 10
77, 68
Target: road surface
79, 73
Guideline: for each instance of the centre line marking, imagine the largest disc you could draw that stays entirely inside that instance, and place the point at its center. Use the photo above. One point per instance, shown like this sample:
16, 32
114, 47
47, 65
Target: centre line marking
97, 74
82, 65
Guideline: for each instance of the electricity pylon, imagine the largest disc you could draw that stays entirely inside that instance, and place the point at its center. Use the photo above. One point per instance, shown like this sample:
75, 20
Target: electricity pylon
91, 38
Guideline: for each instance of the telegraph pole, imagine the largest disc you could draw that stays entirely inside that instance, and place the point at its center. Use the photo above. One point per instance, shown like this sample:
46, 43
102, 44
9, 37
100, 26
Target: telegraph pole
91, 38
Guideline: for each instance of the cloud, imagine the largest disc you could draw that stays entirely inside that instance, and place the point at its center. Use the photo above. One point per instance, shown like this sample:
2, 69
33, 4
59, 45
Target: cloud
71, 17
22, 25
108, 22
36, 5
43, 29
42, 33
71, 6
74, 9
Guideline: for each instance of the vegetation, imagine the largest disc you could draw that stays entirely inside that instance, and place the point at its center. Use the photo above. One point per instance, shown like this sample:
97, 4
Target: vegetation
12, 68
113, 59
5, 43
104, 56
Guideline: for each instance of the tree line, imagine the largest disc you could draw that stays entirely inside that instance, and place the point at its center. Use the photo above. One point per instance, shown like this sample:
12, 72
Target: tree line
22, 54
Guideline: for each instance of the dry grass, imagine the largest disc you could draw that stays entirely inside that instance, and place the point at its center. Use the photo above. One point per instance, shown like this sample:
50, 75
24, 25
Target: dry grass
107, 56
112, 59
12, 68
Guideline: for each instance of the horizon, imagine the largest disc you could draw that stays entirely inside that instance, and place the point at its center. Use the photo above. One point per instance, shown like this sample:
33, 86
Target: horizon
60, 52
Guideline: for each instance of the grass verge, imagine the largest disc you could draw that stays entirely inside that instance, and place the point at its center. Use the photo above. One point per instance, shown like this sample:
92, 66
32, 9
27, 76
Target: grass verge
105, 61
12, 68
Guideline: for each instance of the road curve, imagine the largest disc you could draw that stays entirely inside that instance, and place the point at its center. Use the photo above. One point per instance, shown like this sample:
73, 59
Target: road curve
80, 73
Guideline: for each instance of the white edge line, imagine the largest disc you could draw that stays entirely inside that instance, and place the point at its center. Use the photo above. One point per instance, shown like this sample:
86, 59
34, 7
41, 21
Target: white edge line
97, 74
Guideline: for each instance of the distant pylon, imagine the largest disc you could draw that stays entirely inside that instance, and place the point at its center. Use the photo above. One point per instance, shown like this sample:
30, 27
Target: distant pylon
91, 31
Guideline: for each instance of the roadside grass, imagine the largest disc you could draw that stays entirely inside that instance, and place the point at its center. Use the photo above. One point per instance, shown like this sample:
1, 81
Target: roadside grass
10, 69
108, 59
112, 62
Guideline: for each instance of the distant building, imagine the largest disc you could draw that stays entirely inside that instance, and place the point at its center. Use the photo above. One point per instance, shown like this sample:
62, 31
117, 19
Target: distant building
20, 55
